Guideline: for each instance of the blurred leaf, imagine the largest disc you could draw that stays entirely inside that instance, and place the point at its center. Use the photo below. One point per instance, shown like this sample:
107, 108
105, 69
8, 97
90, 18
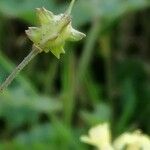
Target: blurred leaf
47, 136
128, 105
23, 9
101, 113
134, 92
19, 108
109, 9
94, 91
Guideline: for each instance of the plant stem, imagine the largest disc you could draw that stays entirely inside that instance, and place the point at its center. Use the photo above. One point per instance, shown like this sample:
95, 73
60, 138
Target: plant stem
108, 63
107, 54
16, 71
88, 49
9, 66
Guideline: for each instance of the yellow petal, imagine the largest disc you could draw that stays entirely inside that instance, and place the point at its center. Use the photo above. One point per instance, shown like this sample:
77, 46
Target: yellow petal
98, 136
133, 141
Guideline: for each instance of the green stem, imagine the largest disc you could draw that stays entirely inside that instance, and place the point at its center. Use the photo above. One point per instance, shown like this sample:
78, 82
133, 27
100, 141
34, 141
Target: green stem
106, 52
69, 88
8, 66
108, 69
17, 70
88, 49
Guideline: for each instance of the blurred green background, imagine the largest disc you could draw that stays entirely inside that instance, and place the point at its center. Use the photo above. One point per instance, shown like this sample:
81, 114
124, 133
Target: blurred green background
105, 77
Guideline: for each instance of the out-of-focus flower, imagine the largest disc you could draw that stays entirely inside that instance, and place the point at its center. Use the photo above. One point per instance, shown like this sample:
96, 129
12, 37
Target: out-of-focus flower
99, 136
132, 141
54, 31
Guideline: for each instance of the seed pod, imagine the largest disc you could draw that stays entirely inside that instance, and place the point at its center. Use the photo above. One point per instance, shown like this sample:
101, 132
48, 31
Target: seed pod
53, 32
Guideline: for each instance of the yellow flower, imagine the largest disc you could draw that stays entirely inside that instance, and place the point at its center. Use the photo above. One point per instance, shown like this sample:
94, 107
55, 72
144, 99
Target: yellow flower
99, 136
132, 141
53, 32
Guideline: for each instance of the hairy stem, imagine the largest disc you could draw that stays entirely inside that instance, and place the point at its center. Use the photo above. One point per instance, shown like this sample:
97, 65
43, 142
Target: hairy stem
16, 71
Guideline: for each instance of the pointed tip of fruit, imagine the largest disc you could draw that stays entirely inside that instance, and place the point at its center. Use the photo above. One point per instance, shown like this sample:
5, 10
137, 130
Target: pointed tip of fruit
58, 56
27, 32
69, 10
83, 35
38, 9
76, 35
63, 52
44, 9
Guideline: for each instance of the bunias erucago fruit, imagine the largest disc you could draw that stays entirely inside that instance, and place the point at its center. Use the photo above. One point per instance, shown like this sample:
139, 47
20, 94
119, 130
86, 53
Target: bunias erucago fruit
51, 35
53, 32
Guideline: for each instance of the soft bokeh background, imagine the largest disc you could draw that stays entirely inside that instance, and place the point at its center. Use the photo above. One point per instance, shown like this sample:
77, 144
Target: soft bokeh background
105, 77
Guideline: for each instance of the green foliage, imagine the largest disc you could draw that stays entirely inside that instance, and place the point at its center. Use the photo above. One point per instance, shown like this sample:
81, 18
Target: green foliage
102, 78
